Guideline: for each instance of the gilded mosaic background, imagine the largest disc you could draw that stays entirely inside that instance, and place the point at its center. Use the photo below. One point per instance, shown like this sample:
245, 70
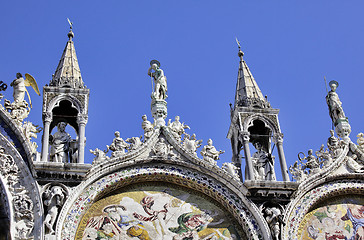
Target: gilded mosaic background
156, 211
341, 218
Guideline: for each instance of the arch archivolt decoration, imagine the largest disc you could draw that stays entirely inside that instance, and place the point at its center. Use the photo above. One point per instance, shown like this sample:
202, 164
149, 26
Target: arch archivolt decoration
21, 194
305, 204
73, 100
248, 122
84, 196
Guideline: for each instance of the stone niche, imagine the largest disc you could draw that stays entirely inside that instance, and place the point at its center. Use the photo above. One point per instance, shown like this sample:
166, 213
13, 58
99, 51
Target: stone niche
340, 217
157, 210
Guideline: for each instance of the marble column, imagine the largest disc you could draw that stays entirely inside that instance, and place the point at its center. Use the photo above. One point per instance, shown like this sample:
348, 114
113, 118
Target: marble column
249, 174
282, 159
47, 119
81, 120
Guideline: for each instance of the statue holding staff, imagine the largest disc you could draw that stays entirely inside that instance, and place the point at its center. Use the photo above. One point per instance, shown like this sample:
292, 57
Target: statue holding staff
333, 101
160, 81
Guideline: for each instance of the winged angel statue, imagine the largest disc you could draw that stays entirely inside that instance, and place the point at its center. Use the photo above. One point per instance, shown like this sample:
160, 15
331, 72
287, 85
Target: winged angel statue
19, 85
19, 109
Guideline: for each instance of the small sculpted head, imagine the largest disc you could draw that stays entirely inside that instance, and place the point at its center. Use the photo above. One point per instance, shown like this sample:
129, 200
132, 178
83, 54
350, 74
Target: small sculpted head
310, 151
18, 75
332, 132
117, 134
258, 146
154, 66
209, 142
176, 118
144, 117
333, 85
61, 126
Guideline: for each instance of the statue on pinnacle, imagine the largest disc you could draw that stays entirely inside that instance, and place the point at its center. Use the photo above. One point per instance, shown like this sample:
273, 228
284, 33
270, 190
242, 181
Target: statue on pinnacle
160, 81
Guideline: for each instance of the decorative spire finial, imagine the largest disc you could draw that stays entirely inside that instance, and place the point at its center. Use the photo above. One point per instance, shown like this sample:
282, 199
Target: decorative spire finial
240, 54
70, 33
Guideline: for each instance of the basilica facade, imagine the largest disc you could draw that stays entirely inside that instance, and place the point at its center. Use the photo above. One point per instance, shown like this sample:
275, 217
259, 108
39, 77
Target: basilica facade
156, 186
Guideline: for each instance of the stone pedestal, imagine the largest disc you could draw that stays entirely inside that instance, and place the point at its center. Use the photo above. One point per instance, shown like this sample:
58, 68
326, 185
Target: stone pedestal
159, 112
343, 129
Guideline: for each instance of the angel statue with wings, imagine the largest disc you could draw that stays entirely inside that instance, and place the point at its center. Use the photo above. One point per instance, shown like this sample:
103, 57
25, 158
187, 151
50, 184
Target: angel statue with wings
19, 109
19, 85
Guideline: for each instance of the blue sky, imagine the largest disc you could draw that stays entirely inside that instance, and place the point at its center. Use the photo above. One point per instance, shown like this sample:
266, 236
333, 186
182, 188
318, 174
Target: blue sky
289, 46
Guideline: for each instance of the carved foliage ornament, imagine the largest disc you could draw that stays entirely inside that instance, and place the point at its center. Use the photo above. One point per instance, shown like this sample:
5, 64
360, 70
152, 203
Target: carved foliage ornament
22, 203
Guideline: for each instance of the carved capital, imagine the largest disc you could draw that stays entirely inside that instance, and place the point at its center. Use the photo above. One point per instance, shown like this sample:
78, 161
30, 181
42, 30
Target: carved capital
245, 136
47, 117
82, 119
278, 138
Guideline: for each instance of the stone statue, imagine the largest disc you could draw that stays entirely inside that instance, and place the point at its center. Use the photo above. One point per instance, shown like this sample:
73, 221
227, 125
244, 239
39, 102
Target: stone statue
312, 163
360, 141
335, 110
161, 149
30, 131
191, 144
177, 127
135, 143
334, 144
19, 85
231, 169
209, 152
117, 146
160, 81
147, 127
60, 143
274, 219
100, 156
263, 164
297, 171
54, 199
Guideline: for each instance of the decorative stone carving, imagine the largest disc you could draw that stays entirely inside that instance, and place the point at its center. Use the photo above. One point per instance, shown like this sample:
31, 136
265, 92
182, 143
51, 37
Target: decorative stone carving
209, 152
274, 218
297, 172
22, 203
161, 149
54, 197
117, 146
100, 156
82, 119
18, 110
191, 144
3, 87
135, 143
231, 169
30, 131
147, 127
312, 163
360, 141
263, 164
352, 162
324, 158
334, 144
160, 81
177, 128
60, 144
